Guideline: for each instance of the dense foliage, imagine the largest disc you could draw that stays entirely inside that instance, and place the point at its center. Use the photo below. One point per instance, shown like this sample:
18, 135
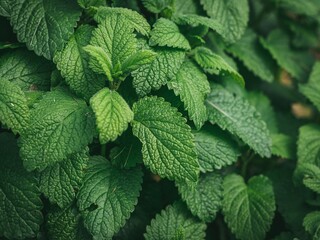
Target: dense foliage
160, 119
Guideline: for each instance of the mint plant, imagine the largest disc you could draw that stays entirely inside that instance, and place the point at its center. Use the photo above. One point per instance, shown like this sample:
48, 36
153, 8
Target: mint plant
159, 119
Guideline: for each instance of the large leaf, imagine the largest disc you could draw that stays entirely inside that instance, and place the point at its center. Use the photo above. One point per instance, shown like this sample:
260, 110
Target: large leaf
14, 111
233, 15
112, 113
20, 203
175, 222
74, 67
237, 116
192, 85
167, 141
107, 197
60, 125
309, 144
204, 200
248, 209
44, 25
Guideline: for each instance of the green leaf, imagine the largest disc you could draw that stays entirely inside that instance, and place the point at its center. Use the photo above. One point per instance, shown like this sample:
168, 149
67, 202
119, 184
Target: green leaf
26, 70
167, 142
61, 181
215, 149
295, 62
204, 200
233, 15
283, 146
309, 144
73, 64
175, 222
305, 7
312, 224
249, 50
14, 111
192, 85
237, 116
156, 6
248, 209
107, 197
44, 25
112, 114
5, 8
158, 72
187, 7
137, 21
137, 60
20, 205
167, 33
312, 89
65, 224
310, 176
60, 125
213, 63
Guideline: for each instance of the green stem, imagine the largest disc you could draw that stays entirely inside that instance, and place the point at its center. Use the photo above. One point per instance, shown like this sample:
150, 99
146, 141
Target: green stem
246, 159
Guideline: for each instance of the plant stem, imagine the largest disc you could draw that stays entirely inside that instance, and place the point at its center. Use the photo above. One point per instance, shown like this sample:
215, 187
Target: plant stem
246, 159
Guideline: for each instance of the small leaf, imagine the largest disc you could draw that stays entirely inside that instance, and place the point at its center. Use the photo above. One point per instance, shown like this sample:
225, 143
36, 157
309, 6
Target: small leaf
167, 141
156, 6
312, 224
112, 113
283, 146
310, 175
248, 209
112, 193
309, 144
137, 60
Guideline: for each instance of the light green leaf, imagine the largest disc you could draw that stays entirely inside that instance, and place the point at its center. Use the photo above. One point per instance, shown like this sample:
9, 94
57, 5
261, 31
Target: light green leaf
167, 33
20, 203
60, 125
137, 60
248, 209
157, 6
44, 25
312, 224
61, 181
65, 224
167, 142
215, 149
312, 89
112, 113
175, 222
233, 15
112, 193
187, 7
213, 63
310, 176
204, 200
237, 116
309, 144
26, 70
158, 72
192, 85
14, 111
283, 146
249, 50
139, 23
73, 64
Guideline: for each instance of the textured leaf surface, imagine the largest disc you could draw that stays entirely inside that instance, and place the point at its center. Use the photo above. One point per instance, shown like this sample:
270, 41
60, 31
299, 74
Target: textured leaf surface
309, 144
14, 111
249, 50
237, 116
156, 6
312, 224
204, 200
5, 8
167, 141
74, 67
192, 85
44, 25
20, 203
26, 70
175, 222
112, 193
310, 176
137, 60
63, 128
312, 89
283, 146
212, 63
167, 33
215, 149
112, 113
248, 209
233, 15
157, 73
65, 224
138, 22
61, 181
187, 7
